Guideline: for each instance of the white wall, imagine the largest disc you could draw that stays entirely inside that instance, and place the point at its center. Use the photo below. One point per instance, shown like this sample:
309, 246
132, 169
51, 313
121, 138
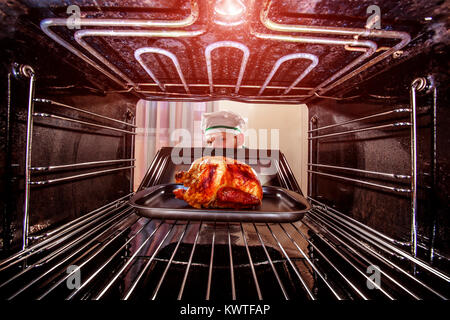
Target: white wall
292, 123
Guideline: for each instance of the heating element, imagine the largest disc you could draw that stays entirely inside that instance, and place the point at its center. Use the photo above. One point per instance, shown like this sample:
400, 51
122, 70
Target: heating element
354, 41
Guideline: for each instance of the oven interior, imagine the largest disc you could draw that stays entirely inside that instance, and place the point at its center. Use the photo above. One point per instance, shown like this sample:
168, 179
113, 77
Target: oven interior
73, 71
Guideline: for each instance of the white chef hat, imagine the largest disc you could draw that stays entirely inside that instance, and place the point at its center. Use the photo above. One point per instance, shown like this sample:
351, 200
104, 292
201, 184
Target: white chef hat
223, 121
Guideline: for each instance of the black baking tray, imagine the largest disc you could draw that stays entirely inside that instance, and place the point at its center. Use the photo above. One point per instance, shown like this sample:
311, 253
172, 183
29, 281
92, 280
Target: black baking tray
278, 205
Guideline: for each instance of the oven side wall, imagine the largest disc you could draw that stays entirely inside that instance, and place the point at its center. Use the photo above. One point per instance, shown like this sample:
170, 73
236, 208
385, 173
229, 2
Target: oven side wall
389, 150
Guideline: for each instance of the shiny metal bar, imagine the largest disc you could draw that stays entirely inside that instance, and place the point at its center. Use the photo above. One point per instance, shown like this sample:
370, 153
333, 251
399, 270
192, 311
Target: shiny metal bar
355, 223
362, 273
377, 255
61, 250
53, 116
390, 249
133, 139
78, 176
305, 286
54, 103
78, 165
232, 44
85, 249
83, 22
376, 173
147, 265
243, 86
92, 256
371, 184
183, 284
54, 234
384, 126
358, 291
170, 55
130, 259
314, 61
414, 87
230, 251
395, 111
79, 35
211, 261
182, 95
283, 290
27, 174
155, 293
321, 276
354, 32
252, 266
94, 274
370, 45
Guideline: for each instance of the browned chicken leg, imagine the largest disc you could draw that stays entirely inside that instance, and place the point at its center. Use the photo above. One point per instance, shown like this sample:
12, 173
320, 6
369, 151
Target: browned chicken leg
219, 182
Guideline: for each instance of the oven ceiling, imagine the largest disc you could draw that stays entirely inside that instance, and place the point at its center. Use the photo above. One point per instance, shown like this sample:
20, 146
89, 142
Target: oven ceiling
273, 55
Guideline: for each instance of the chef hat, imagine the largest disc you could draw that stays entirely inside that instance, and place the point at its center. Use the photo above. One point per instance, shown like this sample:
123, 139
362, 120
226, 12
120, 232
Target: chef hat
223, 121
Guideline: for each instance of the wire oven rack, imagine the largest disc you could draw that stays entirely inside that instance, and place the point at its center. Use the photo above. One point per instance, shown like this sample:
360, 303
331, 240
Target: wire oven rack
112, 253
117, 254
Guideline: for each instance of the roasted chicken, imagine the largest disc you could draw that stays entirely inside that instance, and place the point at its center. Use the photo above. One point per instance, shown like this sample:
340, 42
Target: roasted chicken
219, 182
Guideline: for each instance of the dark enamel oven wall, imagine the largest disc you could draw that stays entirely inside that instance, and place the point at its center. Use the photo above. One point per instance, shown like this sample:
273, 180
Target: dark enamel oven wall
388, 150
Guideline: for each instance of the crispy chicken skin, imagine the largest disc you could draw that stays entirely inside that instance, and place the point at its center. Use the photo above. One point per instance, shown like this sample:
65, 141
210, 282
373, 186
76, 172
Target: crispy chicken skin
219, 182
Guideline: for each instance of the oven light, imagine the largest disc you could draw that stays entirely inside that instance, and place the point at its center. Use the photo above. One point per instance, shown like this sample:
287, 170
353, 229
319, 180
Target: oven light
229, 12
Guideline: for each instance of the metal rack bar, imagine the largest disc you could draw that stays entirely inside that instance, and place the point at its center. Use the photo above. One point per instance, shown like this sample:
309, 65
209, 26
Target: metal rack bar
305, 286
371, 184
252, 266
362, 273
352, 222
130, 259
414, 87
356, 242
211, 262
314, 61
53, 240
376, 115
230, 251
221, 44
312, 264
54, 116
26, 210
381, 174
48, 101
78, 176
64, 248
183, 284
387, 247
96, 272
384, 126
283, 290
170, 55
78, 165
85, 249
353, 286
147, 265
92, 256
155, 293
243, 86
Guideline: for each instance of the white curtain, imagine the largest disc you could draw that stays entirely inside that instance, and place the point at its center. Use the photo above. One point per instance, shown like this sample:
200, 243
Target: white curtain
157, 120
